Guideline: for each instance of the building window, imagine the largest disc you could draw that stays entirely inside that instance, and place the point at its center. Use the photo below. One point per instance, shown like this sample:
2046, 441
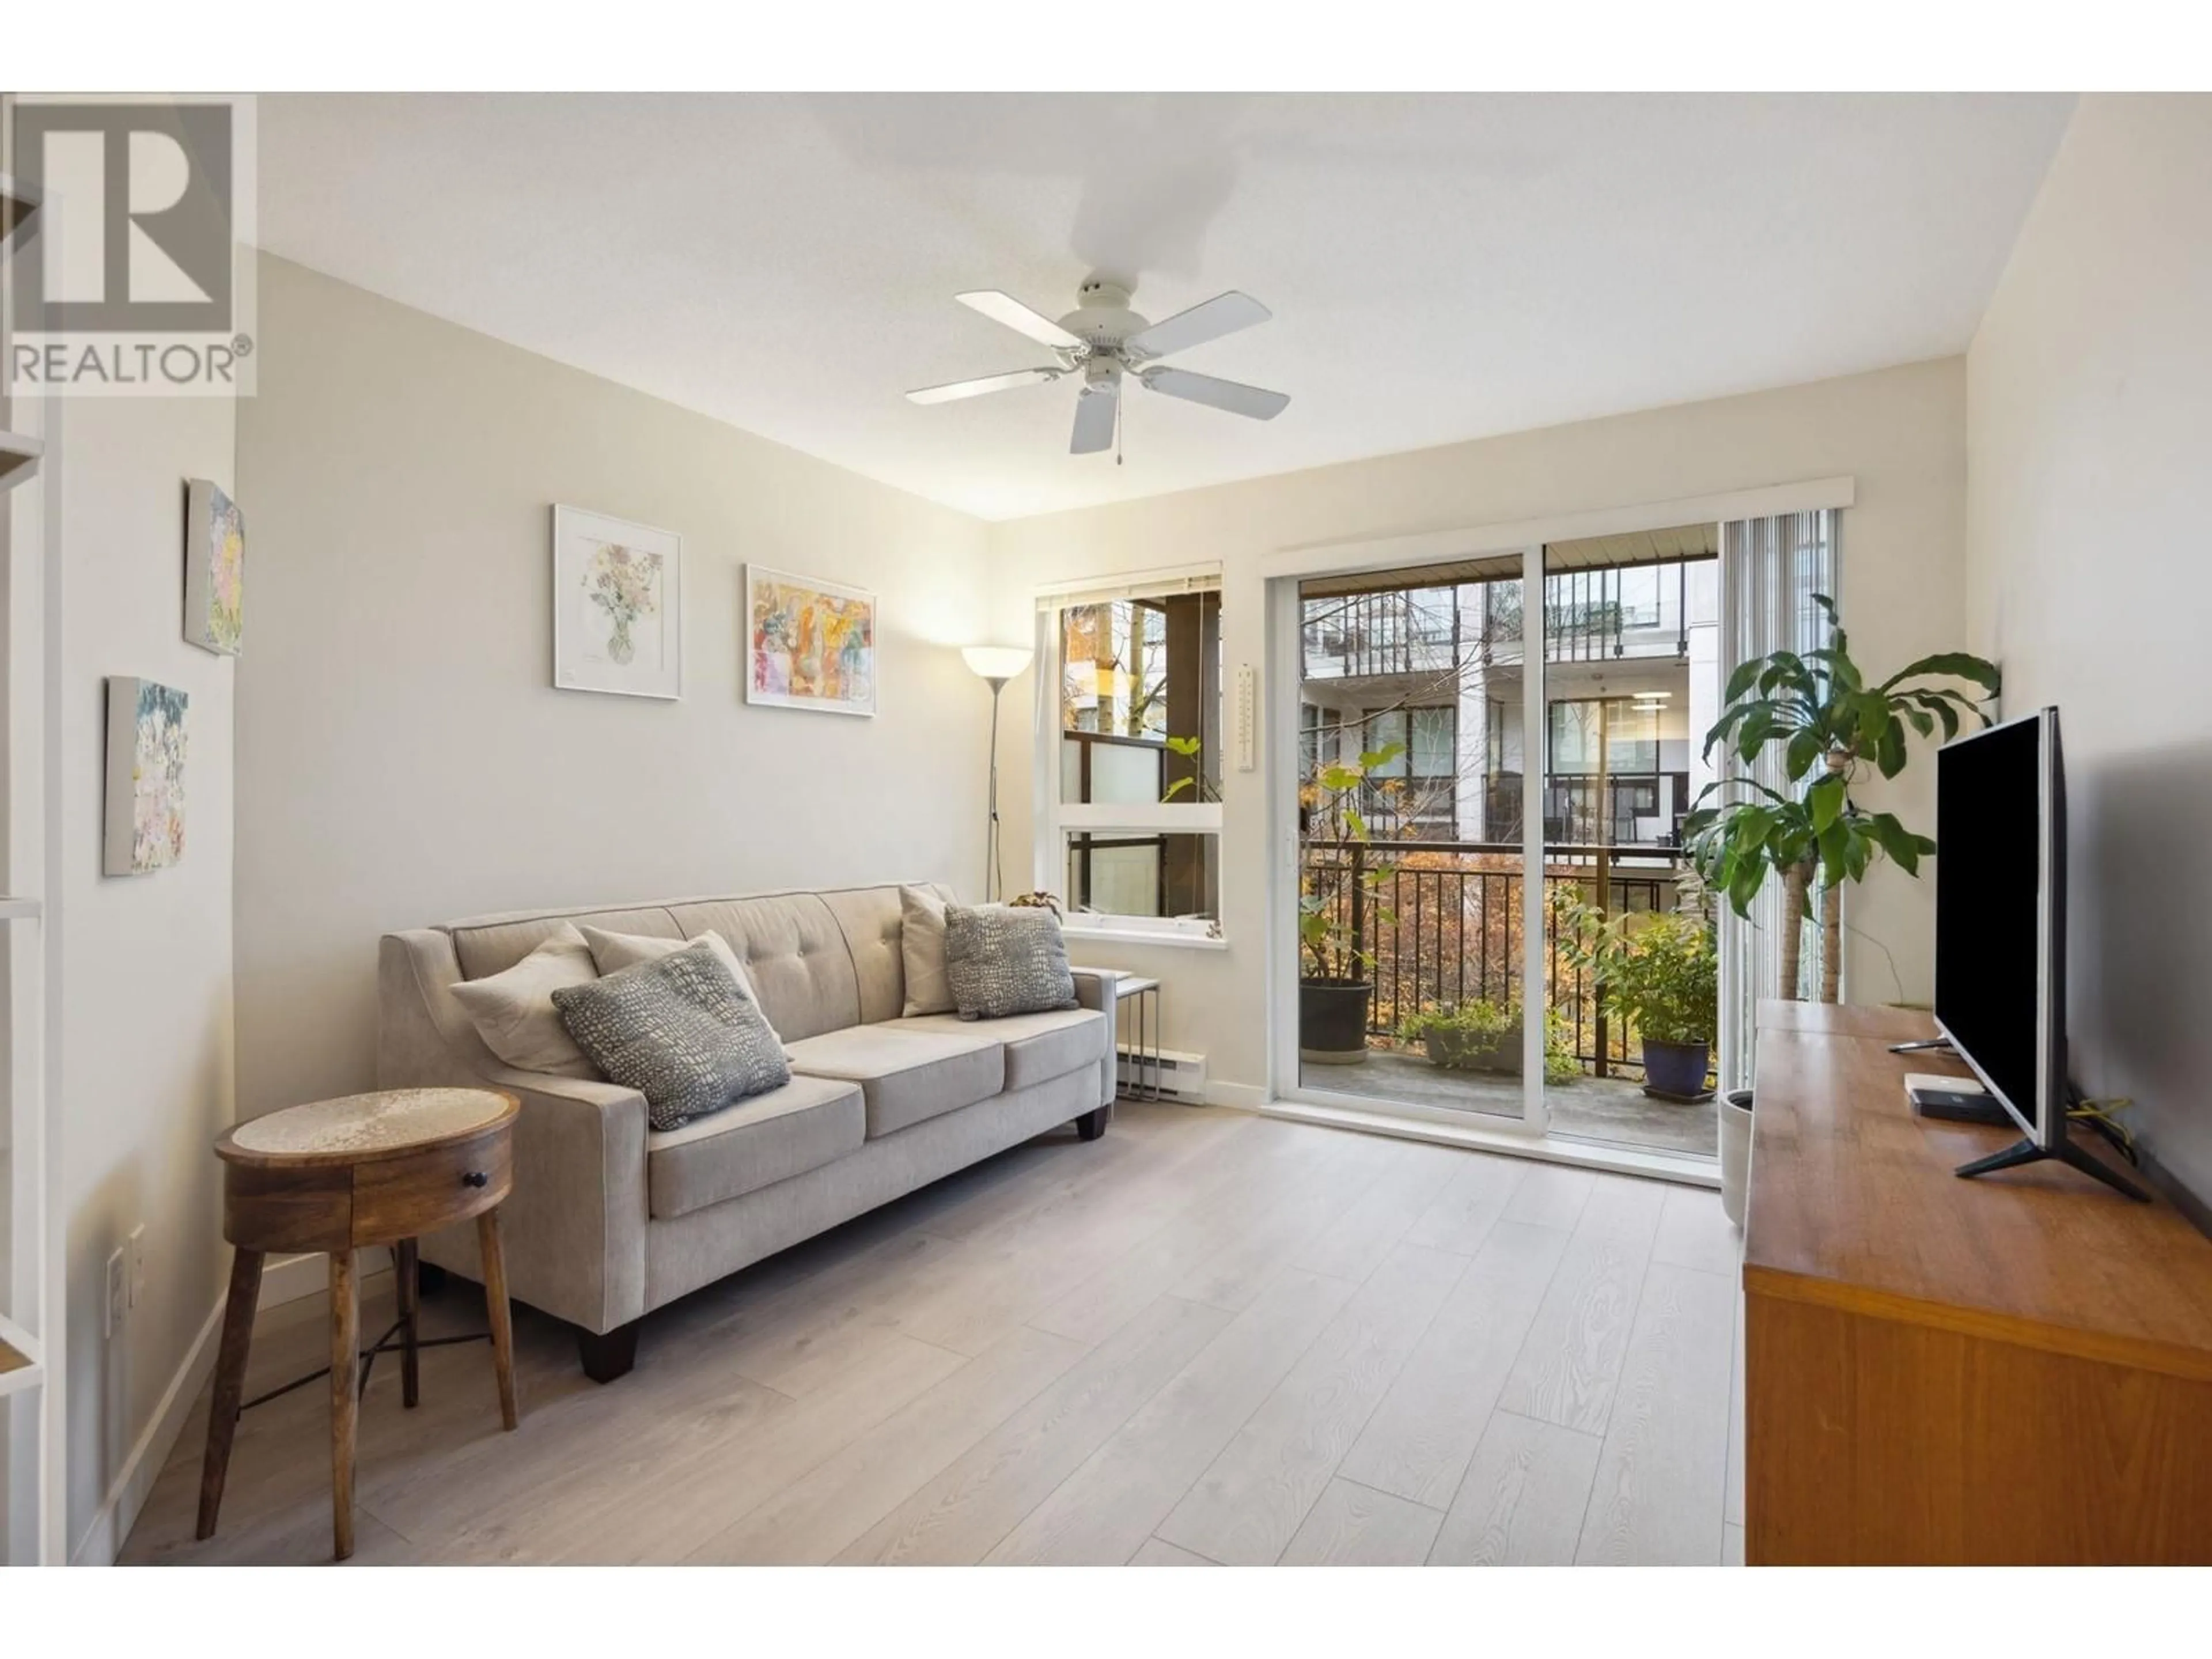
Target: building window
1133, 846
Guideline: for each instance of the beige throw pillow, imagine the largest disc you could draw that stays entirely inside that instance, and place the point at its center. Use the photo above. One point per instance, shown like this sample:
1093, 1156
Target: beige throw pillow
921, 948
514, 1013
616, 951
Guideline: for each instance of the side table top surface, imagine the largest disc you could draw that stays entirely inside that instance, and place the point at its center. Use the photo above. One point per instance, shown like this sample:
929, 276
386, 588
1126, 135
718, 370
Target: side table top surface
360, 1129
1125, 985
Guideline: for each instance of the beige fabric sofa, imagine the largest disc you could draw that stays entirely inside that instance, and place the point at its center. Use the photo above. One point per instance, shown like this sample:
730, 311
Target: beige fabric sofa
610, 1219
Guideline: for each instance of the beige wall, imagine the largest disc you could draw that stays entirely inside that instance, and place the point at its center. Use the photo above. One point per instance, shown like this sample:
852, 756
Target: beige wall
2089, 400
403, 757
146, 1061
1901, 433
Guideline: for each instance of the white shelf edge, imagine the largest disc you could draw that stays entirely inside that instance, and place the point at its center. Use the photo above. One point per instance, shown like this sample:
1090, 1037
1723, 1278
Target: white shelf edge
16, 910
21, 1380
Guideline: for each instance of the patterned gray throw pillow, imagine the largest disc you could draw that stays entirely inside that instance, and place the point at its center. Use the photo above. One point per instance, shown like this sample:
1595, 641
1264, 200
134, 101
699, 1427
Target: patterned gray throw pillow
678, 1029
1002, 960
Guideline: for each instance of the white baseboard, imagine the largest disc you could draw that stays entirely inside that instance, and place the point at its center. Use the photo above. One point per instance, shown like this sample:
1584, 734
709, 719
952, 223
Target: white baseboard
288, 1279
134, 1481
1244, 1097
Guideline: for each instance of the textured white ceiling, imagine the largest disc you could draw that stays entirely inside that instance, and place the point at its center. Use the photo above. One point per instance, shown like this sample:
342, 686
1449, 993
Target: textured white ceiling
1440, 267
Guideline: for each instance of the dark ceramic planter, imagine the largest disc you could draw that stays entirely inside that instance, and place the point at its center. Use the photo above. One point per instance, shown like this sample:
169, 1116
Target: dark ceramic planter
1333, 1021
1677, 1069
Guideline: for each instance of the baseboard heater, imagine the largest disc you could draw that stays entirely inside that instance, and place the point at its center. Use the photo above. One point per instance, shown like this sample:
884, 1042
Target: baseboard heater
1177, 1076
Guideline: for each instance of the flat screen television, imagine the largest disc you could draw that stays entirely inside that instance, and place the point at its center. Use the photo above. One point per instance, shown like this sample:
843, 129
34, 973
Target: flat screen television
2001, 930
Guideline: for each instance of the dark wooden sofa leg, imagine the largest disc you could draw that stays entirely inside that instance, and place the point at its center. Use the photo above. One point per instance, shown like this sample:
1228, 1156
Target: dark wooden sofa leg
1092, 1125
610, 1355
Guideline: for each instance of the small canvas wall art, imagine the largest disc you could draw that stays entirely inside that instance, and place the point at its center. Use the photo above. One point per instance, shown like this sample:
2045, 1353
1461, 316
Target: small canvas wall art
145, 776
617, 607
215, 569
811, 644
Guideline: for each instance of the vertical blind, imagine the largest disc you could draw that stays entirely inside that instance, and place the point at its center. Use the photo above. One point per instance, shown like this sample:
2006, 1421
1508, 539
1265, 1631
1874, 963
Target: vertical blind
1770, 570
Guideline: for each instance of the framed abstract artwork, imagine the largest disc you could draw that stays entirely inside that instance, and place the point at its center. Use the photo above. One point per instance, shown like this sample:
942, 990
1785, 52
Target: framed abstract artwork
145, 818
809, 643
617, 607
215, 569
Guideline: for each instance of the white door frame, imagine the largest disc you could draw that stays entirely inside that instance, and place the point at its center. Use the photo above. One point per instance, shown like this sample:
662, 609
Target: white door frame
1279, 574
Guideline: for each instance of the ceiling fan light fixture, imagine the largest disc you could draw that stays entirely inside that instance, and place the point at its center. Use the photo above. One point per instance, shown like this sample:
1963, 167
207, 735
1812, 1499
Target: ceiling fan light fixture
1106, 340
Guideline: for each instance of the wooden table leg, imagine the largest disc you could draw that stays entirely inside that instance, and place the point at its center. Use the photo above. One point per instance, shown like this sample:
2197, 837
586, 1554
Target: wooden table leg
345, 1364
411, 1311
229, 1381
502, 1322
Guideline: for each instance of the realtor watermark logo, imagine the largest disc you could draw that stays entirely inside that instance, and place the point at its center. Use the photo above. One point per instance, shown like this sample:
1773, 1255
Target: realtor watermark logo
132, 274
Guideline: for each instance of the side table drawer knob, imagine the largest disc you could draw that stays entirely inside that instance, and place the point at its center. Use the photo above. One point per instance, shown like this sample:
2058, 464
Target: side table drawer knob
475, 1178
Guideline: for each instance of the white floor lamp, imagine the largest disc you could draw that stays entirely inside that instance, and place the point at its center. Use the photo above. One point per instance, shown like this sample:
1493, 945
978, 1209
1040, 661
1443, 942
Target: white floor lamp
994, 664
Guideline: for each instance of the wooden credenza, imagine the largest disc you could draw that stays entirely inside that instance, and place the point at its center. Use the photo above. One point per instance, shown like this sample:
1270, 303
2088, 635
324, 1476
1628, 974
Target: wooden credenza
2016, 1369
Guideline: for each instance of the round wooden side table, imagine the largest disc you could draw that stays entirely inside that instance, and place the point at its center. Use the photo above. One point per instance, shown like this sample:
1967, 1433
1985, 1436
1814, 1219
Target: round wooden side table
337, 1175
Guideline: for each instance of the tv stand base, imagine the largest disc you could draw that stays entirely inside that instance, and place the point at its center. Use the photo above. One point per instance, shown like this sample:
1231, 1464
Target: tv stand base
2027, 1151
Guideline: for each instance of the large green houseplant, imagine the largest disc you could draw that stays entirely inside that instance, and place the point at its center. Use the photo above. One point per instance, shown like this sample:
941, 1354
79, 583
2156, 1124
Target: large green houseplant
1335, 899
1660, 972
1831, 722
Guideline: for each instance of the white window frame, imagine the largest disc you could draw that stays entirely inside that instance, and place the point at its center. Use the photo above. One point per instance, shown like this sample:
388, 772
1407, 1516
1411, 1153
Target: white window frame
1057, 819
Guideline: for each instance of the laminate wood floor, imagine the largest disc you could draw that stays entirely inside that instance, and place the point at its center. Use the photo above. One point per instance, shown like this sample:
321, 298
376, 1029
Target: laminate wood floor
1210, 1338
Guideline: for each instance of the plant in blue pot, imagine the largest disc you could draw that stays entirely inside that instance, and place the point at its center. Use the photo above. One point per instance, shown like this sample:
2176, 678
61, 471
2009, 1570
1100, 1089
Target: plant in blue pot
1660, 972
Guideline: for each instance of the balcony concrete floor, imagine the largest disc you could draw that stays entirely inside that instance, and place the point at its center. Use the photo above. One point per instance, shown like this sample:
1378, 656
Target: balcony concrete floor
1610, 1110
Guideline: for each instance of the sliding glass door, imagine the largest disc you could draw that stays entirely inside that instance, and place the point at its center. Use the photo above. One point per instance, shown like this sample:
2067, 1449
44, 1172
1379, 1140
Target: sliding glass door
1412, 910
1494, 758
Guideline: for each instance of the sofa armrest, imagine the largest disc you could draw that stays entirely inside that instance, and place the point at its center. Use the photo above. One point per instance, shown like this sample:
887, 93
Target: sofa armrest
573, 1226
1094, 987
1095, 990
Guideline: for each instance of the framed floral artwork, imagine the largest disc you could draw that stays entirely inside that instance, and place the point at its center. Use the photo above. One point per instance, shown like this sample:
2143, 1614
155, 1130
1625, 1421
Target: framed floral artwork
809, 643
617, 607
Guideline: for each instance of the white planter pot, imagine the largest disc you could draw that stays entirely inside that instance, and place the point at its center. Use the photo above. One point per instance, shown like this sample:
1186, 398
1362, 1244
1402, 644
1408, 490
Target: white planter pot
1735, 1152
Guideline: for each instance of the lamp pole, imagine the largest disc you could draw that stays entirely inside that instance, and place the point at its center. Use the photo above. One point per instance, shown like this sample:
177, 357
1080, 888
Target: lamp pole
994, 664
994, 876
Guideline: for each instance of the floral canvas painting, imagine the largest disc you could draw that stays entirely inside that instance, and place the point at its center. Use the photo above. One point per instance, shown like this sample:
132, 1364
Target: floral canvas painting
145, 827
811, 644
618, 618
215, 570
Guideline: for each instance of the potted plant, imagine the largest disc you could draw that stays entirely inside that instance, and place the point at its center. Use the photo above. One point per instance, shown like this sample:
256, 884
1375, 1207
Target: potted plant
1476, 1037
1335, 902
1660, 972
1830, 723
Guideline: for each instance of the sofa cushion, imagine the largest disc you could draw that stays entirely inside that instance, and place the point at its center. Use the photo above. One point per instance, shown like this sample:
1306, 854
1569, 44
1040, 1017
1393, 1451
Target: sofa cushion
906, 1076
921, 952
1003, 959
808, 1122
612, 953
1039, 1047
491, 944
794, 953
513, 1011
681, 1031
868, 917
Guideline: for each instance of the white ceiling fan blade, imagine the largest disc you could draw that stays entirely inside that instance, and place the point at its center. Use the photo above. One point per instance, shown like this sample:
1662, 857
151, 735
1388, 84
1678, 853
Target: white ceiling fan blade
1225, 313
1232, 395
1094, 421
1005, 308
953, 390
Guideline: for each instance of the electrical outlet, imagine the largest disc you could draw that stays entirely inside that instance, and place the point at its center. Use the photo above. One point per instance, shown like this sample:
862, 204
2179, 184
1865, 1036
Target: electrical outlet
118, 1293
137, 1242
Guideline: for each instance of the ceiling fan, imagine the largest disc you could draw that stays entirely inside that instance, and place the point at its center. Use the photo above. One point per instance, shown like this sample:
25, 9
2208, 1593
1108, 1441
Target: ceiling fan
1103, 341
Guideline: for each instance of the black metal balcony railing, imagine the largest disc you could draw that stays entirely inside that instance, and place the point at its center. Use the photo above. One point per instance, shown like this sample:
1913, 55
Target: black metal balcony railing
1445, 925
